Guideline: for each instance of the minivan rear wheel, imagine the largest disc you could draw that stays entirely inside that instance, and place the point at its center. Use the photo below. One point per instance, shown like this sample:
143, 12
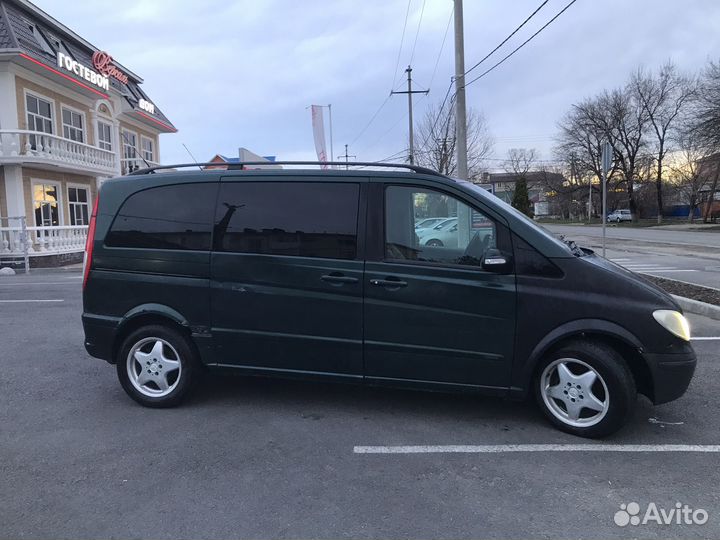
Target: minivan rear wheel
586, 388
156, 366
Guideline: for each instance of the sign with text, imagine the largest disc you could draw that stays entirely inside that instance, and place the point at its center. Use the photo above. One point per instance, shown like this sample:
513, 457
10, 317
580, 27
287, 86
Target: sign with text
103, 62
84, 72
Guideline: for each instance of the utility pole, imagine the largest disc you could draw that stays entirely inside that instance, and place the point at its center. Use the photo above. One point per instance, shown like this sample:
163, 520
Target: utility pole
346, 156
332, 152
460, 115
410, 92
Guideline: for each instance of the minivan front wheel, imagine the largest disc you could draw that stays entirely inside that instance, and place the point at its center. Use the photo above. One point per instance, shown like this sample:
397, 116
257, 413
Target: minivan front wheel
586, 389
155, 366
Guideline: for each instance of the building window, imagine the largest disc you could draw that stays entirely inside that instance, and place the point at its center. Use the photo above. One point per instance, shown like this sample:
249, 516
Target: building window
130, 153
73, 125
105, 136
148, 149
46, 203
129, 144
78, 198
40, 38
39, 114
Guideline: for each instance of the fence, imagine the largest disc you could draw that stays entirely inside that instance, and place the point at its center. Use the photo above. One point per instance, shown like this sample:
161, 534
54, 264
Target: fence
14, 241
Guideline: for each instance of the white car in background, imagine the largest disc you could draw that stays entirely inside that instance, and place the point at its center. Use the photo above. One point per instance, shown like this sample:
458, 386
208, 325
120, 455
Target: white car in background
424, 223
442, 234
619, 215
446, 222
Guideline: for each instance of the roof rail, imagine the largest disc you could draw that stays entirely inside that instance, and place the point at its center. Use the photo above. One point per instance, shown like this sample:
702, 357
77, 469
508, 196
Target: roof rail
241, 165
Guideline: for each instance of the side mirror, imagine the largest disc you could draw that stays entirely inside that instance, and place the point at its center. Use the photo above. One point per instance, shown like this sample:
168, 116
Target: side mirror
496, 261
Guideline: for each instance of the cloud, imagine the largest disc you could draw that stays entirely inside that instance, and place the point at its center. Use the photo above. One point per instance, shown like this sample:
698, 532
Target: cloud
233, 74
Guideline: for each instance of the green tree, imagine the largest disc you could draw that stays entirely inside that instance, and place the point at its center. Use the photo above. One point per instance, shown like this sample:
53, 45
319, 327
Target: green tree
521, 197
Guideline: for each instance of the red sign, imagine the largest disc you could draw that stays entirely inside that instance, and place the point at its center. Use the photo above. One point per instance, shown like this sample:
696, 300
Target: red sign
103, 62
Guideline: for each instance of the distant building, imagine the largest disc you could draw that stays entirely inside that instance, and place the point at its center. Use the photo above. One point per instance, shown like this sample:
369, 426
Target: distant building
70, 116
244, 156
502, 185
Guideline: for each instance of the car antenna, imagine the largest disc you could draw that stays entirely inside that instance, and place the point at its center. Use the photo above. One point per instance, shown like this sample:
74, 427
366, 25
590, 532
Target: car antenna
191, 156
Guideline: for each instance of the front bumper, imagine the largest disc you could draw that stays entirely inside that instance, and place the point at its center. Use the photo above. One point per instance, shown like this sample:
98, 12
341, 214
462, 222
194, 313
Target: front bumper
671, 374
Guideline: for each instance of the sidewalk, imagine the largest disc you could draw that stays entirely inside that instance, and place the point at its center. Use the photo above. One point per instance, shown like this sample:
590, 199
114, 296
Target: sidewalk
52, 270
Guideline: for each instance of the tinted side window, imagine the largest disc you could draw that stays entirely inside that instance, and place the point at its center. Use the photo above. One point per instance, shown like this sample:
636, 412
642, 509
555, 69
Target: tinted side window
301, 219
167, 217
462, 236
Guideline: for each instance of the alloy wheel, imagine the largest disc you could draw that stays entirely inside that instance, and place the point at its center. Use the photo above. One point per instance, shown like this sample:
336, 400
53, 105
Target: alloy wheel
153, 367
574, 392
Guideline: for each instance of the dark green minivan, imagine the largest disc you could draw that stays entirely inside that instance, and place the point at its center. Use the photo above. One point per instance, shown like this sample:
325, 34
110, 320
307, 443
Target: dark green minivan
322, 274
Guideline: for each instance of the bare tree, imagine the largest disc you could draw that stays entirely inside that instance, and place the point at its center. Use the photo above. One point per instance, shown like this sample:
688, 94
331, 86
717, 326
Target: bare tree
706, 123
622, 121
520, 161
436, 133
688, 172
663, 97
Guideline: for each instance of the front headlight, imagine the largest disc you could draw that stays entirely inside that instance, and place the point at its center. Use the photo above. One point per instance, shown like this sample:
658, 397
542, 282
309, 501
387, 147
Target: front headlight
674, 322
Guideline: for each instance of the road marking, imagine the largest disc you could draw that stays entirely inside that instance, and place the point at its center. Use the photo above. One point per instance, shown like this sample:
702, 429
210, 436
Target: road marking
620, 260
705, 338
20, 301
665, 270
514, 448
20, 283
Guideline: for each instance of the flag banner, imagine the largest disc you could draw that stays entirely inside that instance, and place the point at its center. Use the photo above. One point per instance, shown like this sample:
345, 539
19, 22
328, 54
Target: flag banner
318, 125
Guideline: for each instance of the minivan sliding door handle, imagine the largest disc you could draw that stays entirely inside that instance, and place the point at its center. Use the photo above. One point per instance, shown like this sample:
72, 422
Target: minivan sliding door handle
338, 279
389, 283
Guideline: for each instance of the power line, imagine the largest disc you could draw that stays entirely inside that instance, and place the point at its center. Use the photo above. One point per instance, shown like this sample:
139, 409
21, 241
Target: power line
504, 41
397, 64
522, 44
417, 33
439, 114
442, 46
402, 39
372, 119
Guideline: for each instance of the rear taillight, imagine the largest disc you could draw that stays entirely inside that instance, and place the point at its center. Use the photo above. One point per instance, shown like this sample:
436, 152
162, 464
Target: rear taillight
87, 260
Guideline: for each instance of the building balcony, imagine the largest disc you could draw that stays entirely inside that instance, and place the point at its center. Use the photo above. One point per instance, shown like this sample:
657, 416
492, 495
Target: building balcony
16, 241
47, 151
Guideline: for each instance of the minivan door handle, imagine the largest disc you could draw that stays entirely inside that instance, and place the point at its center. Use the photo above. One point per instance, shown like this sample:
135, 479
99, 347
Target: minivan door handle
338, 279
390, 283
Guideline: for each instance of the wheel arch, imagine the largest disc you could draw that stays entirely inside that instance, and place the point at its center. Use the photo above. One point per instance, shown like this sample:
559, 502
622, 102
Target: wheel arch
145, 315
607, 332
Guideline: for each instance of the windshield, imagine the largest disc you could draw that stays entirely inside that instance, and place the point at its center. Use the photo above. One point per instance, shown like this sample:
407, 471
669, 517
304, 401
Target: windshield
509, 209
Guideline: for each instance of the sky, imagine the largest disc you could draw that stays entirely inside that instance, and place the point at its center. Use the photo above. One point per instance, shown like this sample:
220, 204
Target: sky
242, 74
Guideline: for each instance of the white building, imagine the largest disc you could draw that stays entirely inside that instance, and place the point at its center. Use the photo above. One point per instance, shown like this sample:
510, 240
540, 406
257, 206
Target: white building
70, 116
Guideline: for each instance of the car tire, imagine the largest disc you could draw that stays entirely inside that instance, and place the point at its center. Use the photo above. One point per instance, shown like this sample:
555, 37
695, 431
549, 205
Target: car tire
434, 243
157, 366
586, 389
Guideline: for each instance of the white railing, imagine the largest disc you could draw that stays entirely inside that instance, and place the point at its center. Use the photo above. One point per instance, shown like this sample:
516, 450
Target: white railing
42, 240
27, 146
128, 165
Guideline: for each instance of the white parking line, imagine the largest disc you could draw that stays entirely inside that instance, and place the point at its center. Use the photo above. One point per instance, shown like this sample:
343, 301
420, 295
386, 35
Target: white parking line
651, 270
20, 301
714, 338
23, 283
514, 448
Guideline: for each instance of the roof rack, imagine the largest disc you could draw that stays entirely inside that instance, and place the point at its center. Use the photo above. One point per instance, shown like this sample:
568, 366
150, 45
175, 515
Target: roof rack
235, 166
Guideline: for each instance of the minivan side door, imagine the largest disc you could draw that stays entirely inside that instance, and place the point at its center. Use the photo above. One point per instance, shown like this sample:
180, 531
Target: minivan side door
286, 276
432, 314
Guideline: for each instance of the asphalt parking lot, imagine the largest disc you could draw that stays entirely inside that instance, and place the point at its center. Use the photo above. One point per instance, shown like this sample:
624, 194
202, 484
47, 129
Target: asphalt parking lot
265, 458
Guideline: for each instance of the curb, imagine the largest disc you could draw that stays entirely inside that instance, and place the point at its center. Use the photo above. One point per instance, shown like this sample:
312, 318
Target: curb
698, 308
